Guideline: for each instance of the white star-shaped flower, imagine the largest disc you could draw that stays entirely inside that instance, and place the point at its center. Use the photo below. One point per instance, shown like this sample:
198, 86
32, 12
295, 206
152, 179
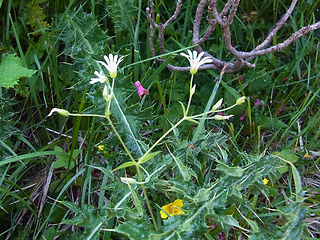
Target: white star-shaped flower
196, 61
101, 77
111, 64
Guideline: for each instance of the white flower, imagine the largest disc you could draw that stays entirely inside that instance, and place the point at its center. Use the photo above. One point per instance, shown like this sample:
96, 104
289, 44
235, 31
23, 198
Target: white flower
112, 64
101, 77
196, 61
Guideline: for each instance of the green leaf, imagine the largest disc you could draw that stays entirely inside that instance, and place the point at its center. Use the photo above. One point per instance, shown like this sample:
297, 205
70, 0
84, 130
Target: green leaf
124, 165
136, 202
64, 159
272, 122
147, 157
11, 70
85, 43
182, 168
136, 229
288, 155
183, 109
230, 171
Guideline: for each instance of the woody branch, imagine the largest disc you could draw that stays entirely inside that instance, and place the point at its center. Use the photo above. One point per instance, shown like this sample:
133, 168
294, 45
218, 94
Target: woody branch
225, 20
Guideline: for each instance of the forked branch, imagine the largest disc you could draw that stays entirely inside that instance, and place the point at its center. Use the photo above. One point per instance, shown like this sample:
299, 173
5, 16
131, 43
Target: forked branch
224, 19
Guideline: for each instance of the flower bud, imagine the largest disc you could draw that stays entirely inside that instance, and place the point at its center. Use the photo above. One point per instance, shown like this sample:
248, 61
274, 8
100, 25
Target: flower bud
241, 100
220, 118
105, 93
217, 105
127, 180
193, 90
60, 111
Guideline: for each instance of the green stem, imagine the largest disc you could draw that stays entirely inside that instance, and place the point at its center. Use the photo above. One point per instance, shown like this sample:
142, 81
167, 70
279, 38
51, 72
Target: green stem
163, 136
138, 172
85, 115
190, 95
147, 199
120, 139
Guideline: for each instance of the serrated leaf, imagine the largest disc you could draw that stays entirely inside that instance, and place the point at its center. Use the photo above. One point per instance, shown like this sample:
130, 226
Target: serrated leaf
182, 168
11, 70
230, 171
135, 229
147, 157
85, 44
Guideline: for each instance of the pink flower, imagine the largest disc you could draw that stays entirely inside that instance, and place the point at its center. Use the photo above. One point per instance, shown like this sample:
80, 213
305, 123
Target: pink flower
243, 116
281, 108
140, 89
258, 103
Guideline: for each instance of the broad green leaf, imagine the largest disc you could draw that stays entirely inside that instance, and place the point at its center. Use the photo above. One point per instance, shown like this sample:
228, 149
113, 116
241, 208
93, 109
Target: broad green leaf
136, 229
11, 70
124, 165
147, 157
288, 155
202, 195
230, 171
272, 122
64, 158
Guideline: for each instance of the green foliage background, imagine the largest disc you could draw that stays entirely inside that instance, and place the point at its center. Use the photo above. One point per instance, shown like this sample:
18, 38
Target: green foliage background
55, 182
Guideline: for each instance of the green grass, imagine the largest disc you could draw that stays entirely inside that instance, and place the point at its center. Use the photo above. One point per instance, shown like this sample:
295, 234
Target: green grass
54, 180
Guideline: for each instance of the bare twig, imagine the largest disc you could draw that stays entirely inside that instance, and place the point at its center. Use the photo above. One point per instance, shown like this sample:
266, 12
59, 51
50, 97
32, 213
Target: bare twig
224, 19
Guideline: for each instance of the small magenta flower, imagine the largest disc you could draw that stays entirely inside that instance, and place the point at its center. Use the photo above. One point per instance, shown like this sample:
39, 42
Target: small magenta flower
140, 89
243, 116
196, 61
101, 77
258, 103
112, 64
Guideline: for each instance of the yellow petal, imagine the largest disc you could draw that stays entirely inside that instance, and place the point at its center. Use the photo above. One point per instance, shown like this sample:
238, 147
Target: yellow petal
178, 211
265, 181
178, 203
163, 214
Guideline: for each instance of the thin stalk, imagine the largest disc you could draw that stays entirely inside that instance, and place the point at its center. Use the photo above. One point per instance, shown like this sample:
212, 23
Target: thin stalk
120, 139
163, 136
147, 199
190, 95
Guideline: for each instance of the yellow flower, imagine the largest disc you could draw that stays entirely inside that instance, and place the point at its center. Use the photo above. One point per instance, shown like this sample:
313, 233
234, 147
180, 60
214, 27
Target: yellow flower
172, 209
265, 181
100, 147
307, 155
